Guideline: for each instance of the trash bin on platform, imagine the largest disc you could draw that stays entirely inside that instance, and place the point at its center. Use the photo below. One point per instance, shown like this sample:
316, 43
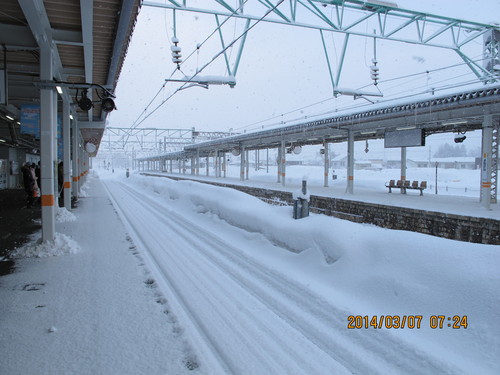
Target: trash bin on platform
301, 201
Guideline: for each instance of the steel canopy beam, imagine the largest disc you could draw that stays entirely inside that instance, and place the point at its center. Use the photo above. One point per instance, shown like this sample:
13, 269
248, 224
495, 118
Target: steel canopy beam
455, 28
87, 11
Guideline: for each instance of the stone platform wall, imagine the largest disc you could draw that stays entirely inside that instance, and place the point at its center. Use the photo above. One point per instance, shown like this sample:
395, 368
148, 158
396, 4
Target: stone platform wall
455, 227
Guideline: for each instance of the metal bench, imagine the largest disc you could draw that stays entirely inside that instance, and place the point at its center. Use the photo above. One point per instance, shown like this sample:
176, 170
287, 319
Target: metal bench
394, 185
405, 184
415, 186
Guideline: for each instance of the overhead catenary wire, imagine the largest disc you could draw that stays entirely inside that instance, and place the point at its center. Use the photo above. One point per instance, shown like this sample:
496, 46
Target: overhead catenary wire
363, 104
360, 105
136, 122
212, 60
476, 59
197, 50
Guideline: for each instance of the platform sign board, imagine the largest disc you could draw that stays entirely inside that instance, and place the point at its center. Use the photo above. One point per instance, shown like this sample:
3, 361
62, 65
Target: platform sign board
3, 87
30, 119
404, 138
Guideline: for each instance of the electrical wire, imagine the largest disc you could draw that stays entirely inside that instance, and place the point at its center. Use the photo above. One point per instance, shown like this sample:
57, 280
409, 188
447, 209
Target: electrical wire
363, 105
360, 88
136, 122
212, 60
360, 105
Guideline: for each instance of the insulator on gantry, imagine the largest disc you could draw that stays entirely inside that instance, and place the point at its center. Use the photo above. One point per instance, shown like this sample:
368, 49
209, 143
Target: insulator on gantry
176, 52
374, 71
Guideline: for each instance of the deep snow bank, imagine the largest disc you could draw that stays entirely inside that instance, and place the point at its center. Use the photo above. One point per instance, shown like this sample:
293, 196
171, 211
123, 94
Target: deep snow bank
62, 245
369, 269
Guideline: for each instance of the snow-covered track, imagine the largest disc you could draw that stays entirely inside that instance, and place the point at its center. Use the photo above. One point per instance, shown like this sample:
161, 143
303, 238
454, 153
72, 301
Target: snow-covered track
246, 317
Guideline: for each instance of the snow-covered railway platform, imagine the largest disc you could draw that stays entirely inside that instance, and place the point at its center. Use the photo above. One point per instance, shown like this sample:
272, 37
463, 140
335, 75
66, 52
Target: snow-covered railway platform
452, 217
86, 304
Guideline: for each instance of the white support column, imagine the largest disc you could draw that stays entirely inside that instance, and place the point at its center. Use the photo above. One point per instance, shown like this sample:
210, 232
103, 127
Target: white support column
66, 155
192, 166
242, 163
216, 164
47, 124
278, 164
283, 163
75, 153
350, 163
403, 168
256, 160
80, 162
219, 165
326, 162
267, 160
56, 155
197, 162
494, 159
224, 164
87, 166
403, 163
208, 165
247, 164
486, 161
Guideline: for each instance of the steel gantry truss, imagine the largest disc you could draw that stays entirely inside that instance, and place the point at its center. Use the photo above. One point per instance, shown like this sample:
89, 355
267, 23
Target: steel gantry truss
494, 161
154, 140
372, 19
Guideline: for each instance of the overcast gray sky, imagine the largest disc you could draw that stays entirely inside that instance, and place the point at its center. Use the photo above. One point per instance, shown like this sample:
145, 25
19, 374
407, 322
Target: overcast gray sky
283, 69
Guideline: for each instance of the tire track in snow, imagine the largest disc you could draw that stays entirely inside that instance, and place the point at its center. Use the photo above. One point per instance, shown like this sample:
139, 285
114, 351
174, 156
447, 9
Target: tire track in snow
252, 336
359, 351
214, 357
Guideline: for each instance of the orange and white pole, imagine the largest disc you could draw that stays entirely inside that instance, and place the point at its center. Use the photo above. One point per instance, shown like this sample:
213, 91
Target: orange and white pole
66, 155
47, 131
242, 163
283, 163
350, 163
486, 161
327, 162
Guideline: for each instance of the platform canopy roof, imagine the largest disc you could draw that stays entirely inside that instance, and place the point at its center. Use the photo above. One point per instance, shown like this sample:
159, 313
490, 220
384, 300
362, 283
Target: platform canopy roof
89, 41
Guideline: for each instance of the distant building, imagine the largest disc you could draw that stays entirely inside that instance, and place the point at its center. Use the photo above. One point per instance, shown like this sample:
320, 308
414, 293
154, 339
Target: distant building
377, 164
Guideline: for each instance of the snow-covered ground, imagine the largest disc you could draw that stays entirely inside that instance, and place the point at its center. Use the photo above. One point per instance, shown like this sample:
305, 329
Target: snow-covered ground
195, 278
458, 189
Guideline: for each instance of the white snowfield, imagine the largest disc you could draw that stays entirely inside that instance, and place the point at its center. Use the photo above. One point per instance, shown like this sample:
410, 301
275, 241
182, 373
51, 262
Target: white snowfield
249, 290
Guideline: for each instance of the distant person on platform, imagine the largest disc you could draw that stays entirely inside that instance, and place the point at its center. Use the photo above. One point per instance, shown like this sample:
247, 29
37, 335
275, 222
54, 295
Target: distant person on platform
60, 178
38, 175
29, 180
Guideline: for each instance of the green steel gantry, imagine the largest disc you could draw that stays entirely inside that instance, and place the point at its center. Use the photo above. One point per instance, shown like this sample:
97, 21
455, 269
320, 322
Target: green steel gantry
370, 19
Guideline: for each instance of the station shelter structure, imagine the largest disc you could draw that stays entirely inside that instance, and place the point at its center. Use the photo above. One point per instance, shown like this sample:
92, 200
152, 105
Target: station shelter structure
60, 61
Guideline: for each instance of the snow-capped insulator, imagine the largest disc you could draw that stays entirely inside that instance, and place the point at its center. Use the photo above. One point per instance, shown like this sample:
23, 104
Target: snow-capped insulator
374, 71
176, 51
